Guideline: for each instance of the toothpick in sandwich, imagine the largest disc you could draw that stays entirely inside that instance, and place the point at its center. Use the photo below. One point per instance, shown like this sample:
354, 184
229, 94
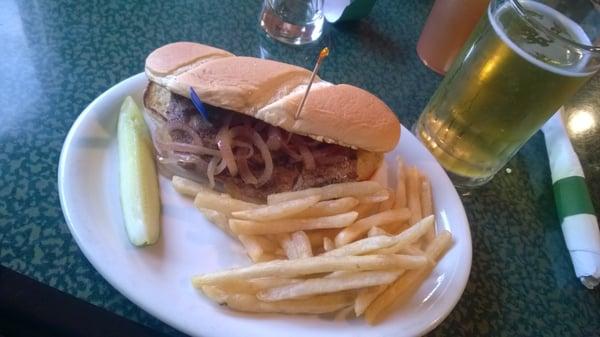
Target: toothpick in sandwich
322, 55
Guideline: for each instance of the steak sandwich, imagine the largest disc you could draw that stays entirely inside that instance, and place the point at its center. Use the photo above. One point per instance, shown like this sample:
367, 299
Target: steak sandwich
245, 139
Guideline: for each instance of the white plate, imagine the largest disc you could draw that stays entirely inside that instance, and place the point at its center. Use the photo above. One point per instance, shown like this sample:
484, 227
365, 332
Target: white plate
157, 278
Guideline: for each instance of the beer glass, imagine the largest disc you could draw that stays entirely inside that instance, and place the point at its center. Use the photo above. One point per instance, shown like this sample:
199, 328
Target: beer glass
293, 21
448, 26
521, 63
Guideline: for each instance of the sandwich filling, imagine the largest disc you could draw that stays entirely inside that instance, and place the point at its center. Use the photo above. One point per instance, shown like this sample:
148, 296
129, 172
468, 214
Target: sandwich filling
248, 157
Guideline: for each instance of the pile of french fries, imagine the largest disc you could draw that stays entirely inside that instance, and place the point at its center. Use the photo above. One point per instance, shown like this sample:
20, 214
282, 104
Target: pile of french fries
357, 245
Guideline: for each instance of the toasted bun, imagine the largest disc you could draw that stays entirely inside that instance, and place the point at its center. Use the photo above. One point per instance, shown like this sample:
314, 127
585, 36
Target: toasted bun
177, 57
271, 91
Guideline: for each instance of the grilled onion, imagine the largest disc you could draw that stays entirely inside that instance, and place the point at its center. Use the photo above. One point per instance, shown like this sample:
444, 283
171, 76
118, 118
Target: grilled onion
307, 157
237, 140
224, 143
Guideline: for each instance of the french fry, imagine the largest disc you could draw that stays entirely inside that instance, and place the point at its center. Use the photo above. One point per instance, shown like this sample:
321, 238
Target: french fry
291, 225
344, 314
302, 244
401, 245
426, 199
375, 198
363, 225
438, 247
222, 203
216, 294
394, 228
367, 295
313, 265
328, 244
412, 250
296, 245
401, 201
218, 218
333, 191
365, 210
253, 248
284, 240
329, 207
389, 203
318, 286
268, 245
427, 205
406, 285
413, 195
384, 244
338, 273
258, 248
313, 305
282, 210
247, 301
189, 188
255, 285
219, 293
376, 231
271, 282
316, 236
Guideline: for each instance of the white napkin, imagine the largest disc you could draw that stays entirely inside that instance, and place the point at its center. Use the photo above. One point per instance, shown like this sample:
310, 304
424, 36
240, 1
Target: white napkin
578, 219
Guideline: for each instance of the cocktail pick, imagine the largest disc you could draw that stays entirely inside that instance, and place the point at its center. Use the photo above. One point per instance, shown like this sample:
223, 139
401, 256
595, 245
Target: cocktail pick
198, 104
322, 55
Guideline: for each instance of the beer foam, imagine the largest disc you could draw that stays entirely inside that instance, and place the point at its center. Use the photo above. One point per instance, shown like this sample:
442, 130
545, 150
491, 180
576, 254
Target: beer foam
574, 29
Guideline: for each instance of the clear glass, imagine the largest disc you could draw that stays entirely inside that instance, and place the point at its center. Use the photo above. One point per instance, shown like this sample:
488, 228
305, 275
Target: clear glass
447, 28
293, 21
520, 64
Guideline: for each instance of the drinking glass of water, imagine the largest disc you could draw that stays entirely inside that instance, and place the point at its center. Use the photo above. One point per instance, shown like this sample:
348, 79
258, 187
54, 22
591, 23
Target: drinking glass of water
522, 62
293, 21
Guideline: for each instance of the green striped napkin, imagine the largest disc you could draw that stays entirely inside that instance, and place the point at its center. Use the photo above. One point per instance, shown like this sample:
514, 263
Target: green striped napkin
578, 219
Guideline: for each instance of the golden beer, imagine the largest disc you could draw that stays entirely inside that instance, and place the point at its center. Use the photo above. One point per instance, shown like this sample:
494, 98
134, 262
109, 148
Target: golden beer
510, 77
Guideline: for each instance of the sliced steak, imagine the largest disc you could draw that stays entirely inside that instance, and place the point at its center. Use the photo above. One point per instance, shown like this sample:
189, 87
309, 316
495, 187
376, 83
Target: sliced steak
337, 164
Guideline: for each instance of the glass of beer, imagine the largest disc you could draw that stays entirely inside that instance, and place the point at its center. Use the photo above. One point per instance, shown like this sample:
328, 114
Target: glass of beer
521, 63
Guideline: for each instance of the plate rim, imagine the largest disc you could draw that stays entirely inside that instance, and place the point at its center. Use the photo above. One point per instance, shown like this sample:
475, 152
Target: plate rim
462, 278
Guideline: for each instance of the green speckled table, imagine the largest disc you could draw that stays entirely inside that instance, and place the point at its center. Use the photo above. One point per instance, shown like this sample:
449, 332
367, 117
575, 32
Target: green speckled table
57, 56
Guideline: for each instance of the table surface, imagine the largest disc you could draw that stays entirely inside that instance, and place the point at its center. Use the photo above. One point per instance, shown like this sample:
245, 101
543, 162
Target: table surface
57, 56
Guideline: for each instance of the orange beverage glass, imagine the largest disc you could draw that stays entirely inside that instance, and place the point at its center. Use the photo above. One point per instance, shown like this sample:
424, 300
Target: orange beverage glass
447, 28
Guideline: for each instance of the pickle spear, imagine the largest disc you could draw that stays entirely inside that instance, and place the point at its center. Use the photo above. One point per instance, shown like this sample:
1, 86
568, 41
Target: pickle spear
140, 198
